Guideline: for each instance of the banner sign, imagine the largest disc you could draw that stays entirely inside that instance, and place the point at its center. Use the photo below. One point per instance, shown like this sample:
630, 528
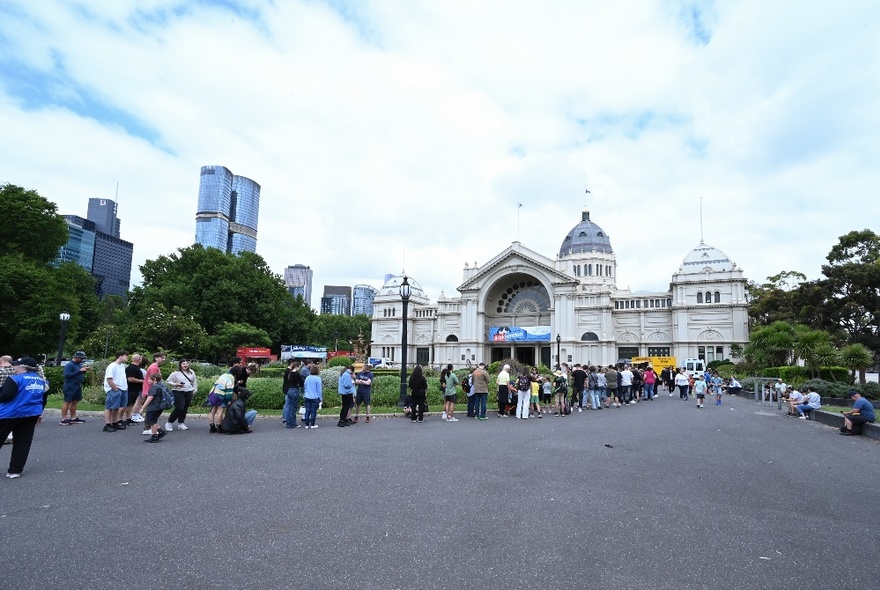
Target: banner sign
517, 334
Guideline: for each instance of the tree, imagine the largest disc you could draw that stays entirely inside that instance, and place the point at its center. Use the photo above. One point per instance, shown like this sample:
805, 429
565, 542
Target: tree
772, 301
31, 225
856, 357
232, 335
807, 343
171, 331
331, 330
771, 345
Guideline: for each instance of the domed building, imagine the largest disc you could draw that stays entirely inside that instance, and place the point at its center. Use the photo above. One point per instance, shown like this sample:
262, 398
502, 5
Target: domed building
538, 310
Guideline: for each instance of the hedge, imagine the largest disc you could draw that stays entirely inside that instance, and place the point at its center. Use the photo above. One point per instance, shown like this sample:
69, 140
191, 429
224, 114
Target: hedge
797, 374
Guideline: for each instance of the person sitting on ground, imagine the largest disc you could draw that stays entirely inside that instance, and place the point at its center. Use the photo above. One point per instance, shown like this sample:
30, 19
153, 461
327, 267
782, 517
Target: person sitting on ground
810, 402
734, 387
238, 418
862, 412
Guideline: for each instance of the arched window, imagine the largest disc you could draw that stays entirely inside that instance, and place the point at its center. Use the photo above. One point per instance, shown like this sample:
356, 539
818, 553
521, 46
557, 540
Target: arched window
452, 338
717, 296
589, 337
699, 297
708, 297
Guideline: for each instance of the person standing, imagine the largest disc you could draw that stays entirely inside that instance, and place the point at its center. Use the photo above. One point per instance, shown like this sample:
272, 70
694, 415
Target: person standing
364, 383
346, 392
700, 388
650, 379
523, 394
22, 399
717, 383
611, 379
418, 385
579, 380
503, 381
626, 383
153, 369
480, 382
74, 373
593, 387
467, 386
450, 394
292, 386
116, 389
184, 384
681, 381
312, 396
152, 408
135, 377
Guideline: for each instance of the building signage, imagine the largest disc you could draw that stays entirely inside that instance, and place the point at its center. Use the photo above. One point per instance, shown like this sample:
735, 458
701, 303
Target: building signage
517, 334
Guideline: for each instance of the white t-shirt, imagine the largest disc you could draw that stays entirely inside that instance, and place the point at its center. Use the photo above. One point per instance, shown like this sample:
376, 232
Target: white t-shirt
796, 396
626, 378
814, 400
116, 371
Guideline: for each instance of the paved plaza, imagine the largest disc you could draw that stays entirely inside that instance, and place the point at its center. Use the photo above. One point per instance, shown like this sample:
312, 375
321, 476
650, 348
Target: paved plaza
654, 496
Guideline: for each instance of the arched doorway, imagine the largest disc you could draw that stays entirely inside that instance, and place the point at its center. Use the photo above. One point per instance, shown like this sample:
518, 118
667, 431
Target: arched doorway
518, 318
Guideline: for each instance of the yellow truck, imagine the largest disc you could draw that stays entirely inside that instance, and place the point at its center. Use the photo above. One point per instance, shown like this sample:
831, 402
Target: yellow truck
658, 363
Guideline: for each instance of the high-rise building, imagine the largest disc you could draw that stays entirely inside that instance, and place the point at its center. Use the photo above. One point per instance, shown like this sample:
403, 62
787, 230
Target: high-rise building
106, 257
362, 300
102, 212
336, 300
298, 279
228, 211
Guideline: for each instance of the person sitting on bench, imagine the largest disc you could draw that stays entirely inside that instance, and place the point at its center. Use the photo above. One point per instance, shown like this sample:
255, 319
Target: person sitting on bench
862, 412
811, 402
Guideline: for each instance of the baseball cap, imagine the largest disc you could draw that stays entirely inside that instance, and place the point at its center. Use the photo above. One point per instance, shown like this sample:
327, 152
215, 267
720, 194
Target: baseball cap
79, 354
851, 393
25, 361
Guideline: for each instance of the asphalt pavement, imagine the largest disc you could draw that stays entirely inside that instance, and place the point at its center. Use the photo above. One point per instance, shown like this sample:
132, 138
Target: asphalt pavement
659, 495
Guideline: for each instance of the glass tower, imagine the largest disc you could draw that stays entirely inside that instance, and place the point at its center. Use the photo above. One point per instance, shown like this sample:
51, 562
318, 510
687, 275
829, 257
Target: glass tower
362, 300
228, 211
298, 279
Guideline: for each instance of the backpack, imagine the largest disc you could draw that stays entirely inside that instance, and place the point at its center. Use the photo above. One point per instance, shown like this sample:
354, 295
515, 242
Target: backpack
561, 384
167, 399
566, 408
523, 383
466, 384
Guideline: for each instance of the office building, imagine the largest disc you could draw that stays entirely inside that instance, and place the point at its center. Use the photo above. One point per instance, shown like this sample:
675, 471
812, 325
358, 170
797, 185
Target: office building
228, 211
106, 257
298, 280
102, 212
362, 300
336, 300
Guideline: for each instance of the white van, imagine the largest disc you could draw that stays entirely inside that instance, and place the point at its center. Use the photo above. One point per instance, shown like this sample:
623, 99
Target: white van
694, 367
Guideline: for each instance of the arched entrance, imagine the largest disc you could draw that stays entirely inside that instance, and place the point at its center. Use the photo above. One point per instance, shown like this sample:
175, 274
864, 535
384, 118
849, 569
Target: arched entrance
518, 318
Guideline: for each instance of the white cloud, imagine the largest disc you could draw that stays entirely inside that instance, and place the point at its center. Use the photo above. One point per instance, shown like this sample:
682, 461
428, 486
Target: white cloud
406, 133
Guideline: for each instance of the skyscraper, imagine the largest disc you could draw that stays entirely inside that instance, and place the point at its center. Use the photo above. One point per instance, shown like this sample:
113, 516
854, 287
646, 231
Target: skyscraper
336, 300
102, 212
298, 279
106, 257
362, 300
228, 211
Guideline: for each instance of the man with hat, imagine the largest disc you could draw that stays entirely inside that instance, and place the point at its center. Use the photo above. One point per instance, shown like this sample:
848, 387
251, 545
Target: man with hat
22, 398
74, 373
862, 412
364, 382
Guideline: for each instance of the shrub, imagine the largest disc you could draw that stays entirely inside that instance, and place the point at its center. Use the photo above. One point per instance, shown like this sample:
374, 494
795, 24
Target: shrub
340, 361
797, 374
55, 377
269, 372
265, 393
871, 390
718, 363
516, 367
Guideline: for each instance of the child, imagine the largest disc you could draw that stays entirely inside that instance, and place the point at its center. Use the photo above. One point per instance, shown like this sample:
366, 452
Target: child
717, 383
536, 408
238, 418
151, 408
700, 391
547, 393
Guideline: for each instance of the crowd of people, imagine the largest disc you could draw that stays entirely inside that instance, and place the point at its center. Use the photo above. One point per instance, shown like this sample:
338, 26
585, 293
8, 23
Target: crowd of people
138, 396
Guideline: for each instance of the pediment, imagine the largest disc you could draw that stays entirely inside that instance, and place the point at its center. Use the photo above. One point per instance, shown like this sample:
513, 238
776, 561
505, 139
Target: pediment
517, 258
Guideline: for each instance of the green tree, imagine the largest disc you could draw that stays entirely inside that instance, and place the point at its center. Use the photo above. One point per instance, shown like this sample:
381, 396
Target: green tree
31, 225
856, 357
771, 345
232, 335
331, 330
807, 344
171, 331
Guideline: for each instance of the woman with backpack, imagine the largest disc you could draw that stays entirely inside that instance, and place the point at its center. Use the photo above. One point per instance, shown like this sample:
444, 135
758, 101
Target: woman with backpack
449, 394
418, 385
523, 394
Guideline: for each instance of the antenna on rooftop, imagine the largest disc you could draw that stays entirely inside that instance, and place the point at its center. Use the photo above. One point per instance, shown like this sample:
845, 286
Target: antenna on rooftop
586, 192
518, 207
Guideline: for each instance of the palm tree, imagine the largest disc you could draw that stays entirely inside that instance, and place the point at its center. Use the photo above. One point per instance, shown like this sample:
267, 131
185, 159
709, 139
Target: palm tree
856, 357
826, 355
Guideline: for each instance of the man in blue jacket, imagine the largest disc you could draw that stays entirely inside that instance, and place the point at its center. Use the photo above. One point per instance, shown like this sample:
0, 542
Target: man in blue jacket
346, 392
74, 372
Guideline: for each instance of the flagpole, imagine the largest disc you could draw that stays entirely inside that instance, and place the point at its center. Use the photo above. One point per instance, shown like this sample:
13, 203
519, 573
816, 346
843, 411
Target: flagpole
519, 206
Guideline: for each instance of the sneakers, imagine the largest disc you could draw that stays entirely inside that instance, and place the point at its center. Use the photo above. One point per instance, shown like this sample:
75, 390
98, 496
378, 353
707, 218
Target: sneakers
368, 419
213, 428
153, 439
342, 424
109, 428
13, 475
182, 426
452, 419
484, 419
148, 431
162, 433
314, 425
169, 427
119, 425
137, 418
355, 421
580, 410
77, 420
307, 426
443, 416
64, 423
802, 417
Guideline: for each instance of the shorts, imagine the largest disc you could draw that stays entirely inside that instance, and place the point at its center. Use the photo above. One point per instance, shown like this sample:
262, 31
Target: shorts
74, 395
533, 399
151, 417
857, 420
133, 396
546, 398
113, 401
221, 400
701, 396
363, 398
450, 398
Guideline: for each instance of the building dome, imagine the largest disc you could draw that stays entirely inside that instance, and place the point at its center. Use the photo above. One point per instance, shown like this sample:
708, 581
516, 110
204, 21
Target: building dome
705, 258
391, 288
585, 237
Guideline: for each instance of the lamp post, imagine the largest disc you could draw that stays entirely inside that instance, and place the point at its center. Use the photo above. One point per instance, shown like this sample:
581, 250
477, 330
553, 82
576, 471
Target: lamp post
405, 292
64, 317
558, 352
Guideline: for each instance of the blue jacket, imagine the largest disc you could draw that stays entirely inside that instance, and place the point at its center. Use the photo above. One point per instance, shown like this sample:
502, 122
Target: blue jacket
346, 383
28, 397
73, 377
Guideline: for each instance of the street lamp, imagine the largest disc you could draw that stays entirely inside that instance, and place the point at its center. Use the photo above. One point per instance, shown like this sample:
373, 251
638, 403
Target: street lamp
558, 353
405, 292
64, 317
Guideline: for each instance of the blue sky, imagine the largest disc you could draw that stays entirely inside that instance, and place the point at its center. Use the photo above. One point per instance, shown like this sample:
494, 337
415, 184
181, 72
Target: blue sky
390, 134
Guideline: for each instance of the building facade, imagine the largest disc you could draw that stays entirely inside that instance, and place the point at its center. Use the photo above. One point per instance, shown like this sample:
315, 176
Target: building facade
362, 300
336, 300
228, 211
539, 310
102, 212
298, 280
106, 257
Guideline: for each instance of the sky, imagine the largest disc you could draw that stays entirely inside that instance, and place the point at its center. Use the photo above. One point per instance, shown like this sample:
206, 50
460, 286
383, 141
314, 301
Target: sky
393, 136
